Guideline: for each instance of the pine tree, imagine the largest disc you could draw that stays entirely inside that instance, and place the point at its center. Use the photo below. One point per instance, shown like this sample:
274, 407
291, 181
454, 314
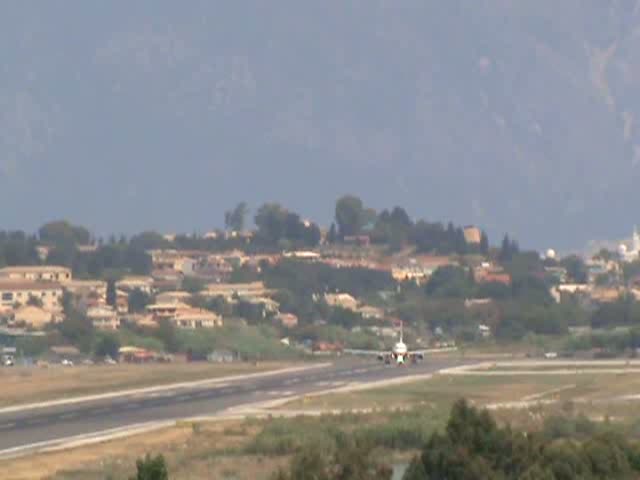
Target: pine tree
484, 243
111, 293
332, 236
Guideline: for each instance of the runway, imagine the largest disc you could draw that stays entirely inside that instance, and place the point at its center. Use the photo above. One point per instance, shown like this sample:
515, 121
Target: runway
36, 425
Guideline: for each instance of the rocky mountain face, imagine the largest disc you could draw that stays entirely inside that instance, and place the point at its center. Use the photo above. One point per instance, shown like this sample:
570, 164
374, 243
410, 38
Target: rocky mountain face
517, 116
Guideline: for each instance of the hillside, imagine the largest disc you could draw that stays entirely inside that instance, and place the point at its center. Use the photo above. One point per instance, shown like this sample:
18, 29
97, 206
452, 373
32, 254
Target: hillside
518, 116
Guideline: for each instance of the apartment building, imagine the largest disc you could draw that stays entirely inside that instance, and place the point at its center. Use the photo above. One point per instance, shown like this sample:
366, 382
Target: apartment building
135, 282
193, 318
228, 290
184, 316
18, 293
39, 273
104, 318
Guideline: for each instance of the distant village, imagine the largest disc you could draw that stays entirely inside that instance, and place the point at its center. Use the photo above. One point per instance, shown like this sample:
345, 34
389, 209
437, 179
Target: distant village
206, 289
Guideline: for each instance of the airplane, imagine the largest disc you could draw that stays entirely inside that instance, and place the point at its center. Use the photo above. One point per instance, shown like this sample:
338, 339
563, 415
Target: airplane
400, 353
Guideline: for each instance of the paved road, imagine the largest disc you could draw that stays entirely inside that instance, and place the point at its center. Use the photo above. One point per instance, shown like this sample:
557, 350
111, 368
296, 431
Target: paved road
31, 426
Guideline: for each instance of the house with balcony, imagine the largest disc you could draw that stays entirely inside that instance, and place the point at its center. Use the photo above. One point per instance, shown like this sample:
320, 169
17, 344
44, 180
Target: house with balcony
194, 318
18, 292
103, 318
342, 300
135, 282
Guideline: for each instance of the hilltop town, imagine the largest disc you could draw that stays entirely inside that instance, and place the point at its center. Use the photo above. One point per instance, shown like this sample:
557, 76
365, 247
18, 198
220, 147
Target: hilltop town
289, 287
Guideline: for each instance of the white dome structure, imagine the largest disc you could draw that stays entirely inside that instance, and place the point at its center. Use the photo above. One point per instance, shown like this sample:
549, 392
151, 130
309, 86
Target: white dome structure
622, 250
550, 254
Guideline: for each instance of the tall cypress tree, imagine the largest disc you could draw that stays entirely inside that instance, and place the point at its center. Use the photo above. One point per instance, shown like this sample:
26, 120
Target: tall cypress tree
111, 292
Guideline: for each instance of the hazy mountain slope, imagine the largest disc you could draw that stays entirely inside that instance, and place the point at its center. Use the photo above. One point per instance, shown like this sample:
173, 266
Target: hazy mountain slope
521, 116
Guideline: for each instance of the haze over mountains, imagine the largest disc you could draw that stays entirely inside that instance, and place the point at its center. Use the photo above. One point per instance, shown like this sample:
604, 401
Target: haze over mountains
517, 116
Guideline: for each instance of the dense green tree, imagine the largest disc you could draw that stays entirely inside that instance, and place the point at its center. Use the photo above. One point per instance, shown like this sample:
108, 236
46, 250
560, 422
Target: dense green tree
332, 235
18, 248
631, 270
538, 472
392, 228
62, 232
624, 311
78, 330
531, 289
494, 290
484, 243
218, 304
111, 292
279, 227
137, 261
138, 301
151, 468
474, 447
352, 216
450, 281
352, 460
167, 333
235, 219
309, 464
63, 254
147, 241
307, 278
107, 346
435, 238
605, 255
193, 284
508, 249
602, 279
576, 268
271, 222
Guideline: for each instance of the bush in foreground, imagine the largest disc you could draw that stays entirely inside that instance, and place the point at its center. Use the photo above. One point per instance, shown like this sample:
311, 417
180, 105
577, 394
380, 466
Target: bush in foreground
473, 446
151, 468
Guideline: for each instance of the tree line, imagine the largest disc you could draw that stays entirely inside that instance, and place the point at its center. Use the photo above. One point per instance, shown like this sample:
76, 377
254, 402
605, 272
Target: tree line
276, 228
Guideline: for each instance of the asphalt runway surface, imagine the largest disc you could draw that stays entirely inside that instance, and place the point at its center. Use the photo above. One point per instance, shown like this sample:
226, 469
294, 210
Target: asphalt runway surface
35, 425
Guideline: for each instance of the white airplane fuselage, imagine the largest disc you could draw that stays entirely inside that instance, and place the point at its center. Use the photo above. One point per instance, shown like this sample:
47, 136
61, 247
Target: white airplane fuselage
399, 352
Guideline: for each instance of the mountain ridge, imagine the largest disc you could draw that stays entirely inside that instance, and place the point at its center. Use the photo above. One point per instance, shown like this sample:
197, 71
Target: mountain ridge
521, 118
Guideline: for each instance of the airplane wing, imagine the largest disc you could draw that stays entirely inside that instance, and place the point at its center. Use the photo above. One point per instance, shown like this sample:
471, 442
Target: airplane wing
422, 353
372, 353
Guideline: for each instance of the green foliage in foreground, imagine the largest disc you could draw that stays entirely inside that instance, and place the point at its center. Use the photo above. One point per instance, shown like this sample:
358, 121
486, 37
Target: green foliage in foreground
250, 342
151, 468
469, 446
474, 446
351, 460
392, 430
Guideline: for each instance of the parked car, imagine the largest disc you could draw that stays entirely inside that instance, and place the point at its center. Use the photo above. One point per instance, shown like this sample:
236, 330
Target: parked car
8, 361
66, 362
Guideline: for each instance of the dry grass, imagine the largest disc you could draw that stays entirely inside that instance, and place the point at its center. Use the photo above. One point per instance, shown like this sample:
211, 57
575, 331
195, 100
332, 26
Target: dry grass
598, 396
204, 451
216, 450
441, 389
27, 385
